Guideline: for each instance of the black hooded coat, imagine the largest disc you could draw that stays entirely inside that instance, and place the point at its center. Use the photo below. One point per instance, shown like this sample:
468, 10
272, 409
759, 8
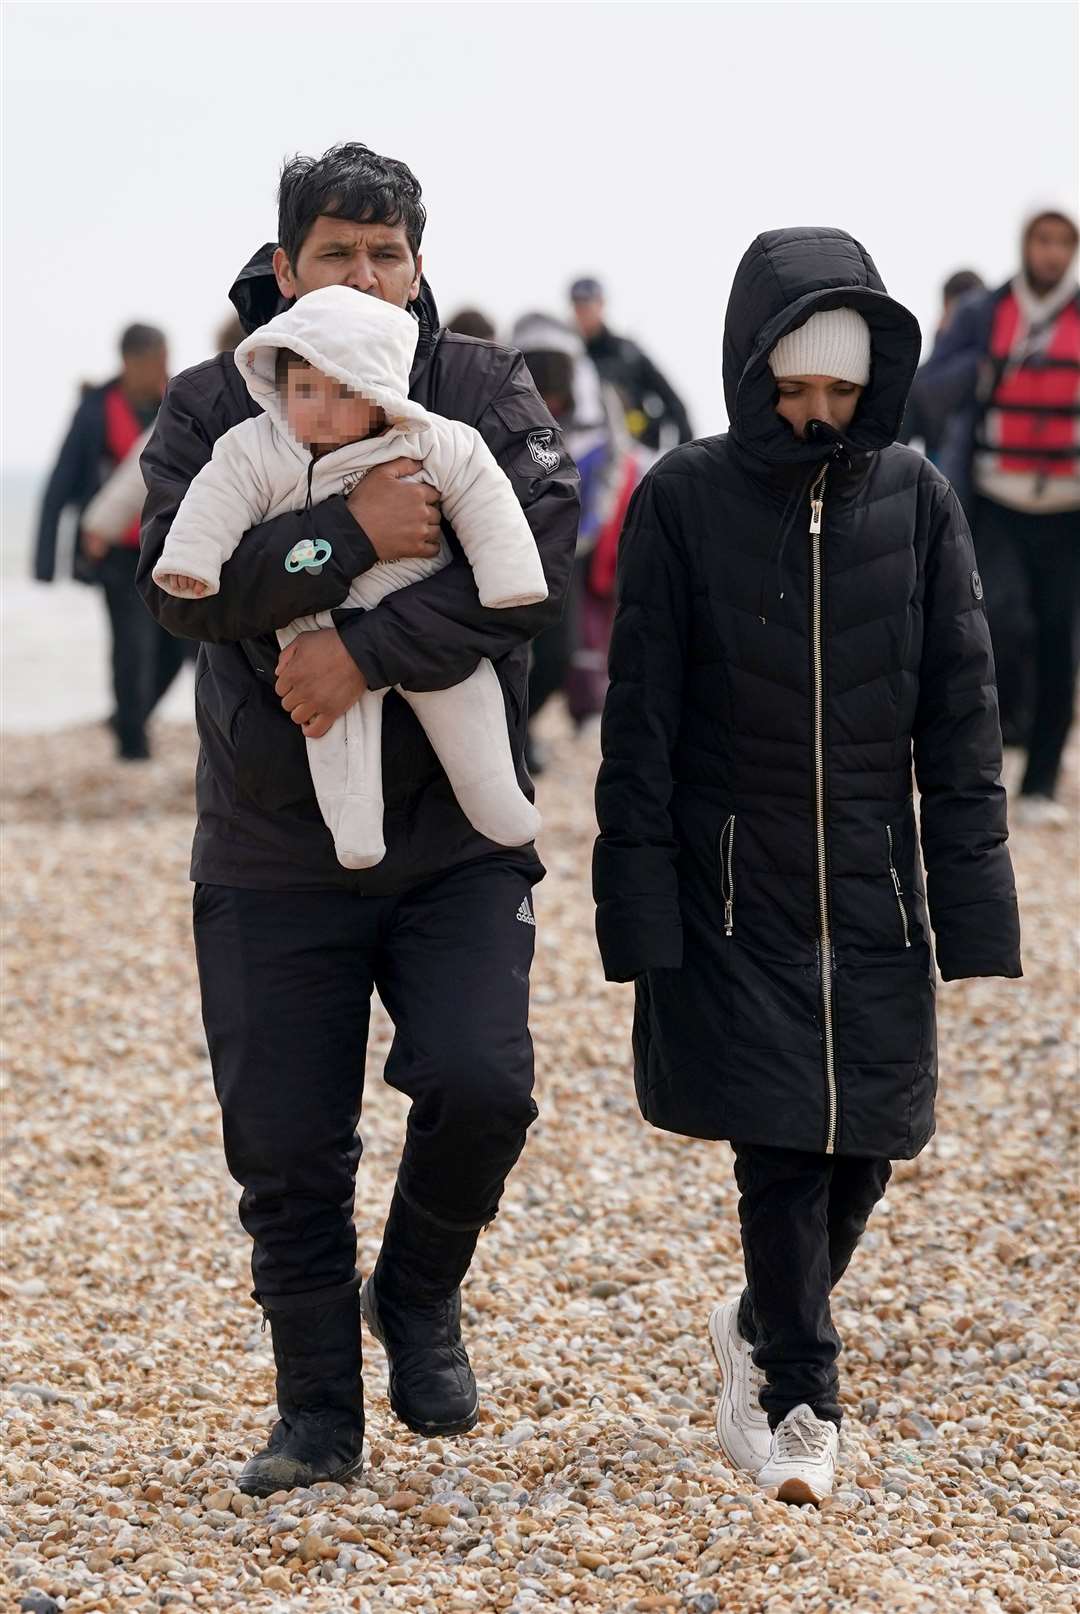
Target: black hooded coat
259, 824
758, 872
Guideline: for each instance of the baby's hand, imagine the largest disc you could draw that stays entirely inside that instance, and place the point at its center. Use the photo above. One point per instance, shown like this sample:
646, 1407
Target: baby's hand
178, 583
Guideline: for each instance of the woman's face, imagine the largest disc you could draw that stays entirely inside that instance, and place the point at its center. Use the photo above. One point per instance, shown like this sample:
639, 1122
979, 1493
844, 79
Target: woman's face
802, 398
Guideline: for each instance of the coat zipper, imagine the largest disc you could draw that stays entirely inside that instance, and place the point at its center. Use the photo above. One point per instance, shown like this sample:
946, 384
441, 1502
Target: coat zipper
897, 887
817, 505
727, 872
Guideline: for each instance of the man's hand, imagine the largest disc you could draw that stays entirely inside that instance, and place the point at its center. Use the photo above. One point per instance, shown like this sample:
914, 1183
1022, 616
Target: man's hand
401, 518
94, 546
317, 681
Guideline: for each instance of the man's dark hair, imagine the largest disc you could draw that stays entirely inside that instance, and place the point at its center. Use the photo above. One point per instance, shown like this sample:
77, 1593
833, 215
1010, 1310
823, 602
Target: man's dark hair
960, 283
287, 360
140, 339
349, 181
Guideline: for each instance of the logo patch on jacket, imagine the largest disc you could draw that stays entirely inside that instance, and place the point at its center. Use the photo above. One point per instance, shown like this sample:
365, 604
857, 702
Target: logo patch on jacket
543, 450
976, 585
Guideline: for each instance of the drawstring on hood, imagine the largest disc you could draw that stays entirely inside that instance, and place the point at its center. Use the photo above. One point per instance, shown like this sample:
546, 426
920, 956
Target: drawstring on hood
784, 278
307, 524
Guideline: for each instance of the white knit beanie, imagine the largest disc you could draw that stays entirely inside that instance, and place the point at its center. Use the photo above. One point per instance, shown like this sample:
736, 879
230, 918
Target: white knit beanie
835, 342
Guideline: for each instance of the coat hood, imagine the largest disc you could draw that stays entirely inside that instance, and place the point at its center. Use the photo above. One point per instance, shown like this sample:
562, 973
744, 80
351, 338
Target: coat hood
784, 277
543, 333
1047, 208
359, 340
255, 296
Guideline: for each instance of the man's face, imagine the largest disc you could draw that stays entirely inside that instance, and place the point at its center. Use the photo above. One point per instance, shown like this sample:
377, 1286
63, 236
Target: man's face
146, 375
803, 398
1050, 249
324, 413
589, 314
372, 258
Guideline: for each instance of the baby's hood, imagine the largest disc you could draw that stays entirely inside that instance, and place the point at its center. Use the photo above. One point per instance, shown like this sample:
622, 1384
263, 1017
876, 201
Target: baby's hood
354, 337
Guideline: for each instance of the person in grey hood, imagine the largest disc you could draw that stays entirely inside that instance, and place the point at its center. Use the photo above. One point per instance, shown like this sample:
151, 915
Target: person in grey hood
799, 621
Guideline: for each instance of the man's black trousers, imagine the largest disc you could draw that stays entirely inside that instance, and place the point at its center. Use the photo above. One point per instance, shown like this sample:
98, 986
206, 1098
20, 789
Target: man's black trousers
287, 979
145, 659
801, 1217
1030, 566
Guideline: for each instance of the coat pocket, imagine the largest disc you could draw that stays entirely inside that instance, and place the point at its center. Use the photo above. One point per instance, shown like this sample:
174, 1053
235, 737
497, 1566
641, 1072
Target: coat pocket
897, 887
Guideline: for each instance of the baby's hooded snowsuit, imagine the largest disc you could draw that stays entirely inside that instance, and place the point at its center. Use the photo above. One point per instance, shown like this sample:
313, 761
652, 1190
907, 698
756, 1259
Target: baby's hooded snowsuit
259, 470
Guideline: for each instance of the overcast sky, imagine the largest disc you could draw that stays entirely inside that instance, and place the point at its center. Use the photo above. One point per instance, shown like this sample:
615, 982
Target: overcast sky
644, 143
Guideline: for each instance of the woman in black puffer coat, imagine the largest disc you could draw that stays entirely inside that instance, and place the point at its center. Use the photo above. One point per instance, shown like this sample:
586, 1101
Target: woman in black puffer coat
800, 616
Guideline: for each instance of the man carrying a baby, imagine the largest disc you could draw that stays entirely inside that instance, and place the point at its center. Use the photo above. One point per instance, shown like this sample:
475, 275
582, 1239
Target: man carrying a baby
362, 522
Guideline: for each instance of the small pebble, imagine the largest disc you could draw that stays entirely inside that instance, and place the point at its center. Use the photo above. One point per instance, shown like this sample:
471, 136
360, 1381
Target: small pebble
138, 1378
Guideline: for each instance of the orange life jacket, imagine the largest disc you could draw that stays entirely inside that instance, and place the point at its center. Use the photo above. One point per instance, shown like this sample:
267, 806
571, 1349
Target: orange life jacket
1032, 416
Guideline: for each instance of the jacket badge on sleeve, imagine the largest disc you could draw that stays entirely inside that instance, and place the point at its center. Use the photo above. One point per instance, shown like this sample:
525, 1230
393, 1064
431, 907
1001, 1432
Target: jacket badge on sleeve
309, 555
541, 447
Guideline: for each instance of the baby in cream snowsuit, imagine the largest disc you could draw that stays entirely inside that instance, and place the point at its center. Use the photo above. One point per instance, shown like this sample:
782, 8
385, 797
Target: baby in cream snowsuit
362, 349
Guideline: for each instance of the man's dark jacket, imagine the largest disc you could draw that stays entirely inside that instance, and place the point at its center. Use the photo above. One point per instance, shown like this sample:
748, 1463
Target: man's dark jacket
709, 873
258, 821
640, 385
80, 468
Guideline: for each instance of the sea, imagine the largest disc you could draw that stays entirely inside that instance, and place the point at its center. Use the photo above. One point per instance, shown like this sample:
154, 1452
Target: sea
54, 638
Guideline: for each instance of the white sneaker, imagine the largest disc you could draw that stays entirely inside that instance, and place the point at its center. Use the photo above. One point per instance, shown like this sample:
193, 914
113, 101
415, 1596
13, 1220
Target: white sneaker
1035, 811
802, 1463
741, 1425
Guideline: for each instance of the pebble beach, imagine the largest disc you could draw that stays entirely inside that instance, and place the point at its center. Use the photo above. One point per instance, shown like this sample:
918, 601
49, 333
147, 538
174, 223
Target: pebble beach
136, 1379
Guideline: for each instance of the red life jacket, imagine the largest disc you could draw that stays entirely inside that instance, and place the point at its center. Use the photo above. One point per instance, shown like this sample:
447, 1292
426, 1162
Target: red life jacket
122, 432
1032, 419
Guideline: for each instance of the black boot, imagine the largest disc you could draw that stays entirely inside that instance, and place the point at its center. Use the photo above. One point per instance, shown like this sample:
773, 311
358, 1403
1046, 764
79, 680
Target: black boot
320, 1395
412, 1304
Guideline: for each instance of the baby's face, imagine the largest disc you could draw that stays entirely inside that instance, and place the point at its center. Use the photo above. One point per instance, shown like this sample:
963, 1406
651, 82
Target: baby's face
324, 413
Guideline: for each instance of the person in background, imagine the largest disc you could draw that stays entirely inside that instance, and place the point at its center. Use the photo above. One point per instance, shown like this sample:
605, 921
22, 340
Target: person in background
471, 322
655, 414
571, 654
119, 500
1006, 372
230, 334
108, 423
921, 423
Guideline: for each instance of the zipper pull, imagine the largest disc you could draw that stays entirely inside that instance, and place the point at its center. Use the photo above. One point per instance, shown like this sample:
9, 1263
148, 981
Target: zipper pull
729, 918
896, 883
817, 501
